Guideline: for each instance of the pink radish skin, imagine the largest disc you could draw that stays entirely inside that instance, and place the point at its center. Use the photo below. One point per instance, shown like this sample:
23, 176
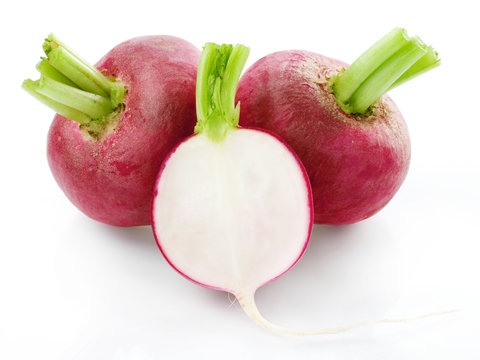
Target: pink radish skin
355, 163
111, 180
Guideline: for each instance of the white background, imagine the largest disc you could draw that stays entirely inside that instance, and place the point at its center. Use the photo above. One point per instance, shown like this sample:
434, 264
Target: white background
72, 288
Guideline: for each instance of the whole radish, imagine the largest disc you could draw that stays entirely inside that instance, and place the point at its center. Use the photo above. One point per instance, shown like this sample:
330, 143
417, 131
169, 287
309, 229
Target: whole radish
350, 137
116, 124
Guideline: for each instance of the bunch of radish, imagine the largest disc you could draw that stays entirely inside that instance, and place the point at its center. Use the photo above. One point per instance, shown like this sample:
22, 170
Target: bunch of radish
232, 205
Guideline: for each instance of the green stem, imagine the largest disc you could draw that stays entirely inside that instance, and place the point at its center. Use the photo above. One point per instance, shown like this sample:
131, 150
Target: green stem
73, 88
218, 73
427, 62
30, 86
48, 70
391, 61
93, 105
86, 77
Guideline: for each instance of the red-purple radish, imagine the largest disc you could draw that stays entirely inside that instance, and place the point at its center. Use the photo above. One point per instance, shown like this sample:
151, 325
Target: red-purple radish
350, 137
232, 207
117, 121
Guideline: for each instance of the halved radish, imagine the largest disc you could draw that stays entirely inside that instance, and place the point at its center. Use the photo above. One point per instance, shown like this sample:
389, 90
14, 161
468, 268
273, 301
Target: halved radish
232, 207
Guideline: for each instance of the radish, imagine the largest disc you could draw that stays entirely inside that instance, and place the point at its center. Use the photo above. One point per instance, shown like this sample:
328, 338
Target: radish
116, 124
232, 208
352, 140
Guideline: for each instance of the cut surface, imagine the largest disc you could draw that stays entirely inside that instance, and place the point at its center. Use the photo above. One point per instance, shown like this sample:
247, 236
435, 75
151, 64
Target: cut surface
232, 215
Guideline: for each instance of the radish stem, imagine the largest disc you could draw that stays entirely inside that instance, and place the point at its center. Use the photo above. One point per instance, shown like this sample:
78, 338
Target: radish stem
93, 105
219, 70
64, 110
391, 61
427, 62
48, 70
75, 89
86, 77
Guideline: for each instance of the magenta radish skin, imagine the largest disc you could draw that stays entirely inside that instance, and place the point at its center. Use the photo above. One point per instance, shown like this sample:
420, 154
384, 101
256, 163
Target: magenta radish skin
355, 163
111, 179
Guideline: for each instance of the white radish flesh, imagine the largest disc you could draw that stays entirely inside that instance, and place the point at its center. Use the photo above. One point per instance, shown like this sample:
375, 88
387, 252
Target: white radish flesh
232, 215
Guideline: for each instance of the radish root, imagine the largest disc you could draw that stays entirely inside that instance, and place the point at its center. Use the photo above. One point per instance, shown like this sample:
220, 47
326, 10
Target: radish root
250, 307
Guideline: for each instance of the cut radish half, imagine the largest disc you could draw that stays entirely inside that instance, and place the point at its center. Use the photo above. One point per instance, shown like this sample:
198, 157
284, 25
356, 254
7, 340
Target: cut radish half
232, 208
232, 215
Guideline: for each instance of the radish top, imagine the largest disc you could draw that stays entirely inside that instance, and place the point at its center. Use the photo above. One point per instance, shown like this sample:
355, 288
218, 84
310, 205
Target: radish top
75, 89
391, 61
219, 70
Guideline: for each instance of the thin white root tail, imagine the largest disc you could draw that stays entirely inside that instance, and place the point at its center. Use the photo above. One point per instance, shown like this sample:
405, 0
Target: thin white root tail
250, 308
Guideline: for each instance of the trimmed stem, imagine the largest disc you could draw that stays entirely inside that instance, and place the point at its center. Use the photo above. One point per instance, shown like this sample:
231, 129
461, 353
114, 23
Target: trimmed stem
383, 77
391, 61
347, 82
93, 105
86, 77
218, 74
66, 111
48, 70
427, 62
73, 88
